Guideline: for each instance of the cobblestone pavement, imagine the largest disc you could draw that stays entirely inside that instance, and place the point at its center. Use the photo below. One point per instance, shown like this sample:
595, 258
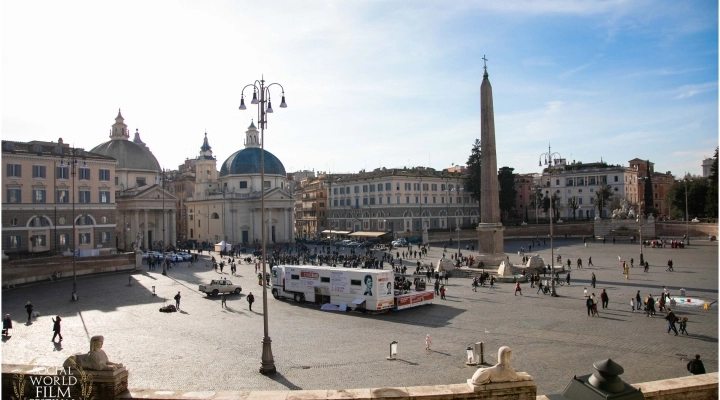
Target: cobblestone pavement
206, 347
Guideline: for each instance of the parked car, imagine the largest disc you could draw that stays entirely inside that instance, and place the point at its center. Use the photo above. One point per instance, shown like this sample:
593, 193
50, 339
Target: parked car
219, 286
353, 244
399, 243
185, 256
367, 244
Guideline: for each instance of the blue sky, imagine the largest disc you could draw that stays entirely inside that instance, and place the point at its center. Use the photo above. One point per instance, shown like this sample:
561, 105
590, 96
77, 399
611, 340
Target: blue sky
370, 83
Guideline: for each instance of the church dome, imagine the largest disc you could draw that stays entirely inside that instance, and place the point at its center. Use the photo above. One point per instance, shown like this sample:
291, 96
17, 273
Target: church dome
247, 161
131, 155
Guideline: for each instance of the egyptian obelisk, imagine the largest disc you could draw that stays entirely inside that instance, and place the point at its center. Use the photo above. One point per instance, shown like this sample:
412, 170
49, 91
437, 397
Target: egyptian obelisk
490, 229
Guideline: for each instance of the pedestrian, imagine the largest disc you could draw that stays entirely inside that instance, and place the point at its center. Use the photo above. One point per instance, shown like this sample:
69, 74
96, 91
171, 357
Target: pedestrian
592, 280
647, 267
223, 300
29, 309
7, 325
638, 300
250, 300
590, 264
632, 260
567, 278
670, 266
177, 300
594, 300
428, 342
671, 319
442, 292
540, 288
696, 366
492, 281
517, 288
683, 325
475, 284
589, 304
56, 328
437, 287
632, 304
649, 306
604, 298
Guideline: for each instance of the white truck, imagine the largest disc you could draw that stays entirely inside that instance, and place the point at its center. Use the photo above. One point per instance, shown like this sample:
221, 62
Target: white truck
367, 289
218, 286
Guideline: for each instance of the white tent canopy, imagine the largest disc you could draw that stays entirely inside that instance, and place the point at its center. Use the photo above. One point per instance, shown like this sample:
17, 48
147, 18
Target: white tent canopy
222, 246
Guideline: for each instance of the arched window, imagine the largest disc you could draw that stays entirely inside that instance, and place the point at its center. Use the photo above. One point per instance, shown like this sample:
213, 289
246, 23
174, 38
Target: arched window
381, 214
214, 216
426, 213
38, 221
459, 213
408, 214
442, 213
366, 214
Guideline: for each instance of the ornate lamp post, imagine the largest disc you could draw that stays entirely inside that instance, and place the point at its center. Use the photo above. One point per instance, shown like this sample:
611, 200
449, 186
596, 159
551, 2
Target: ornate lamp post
687, 216
72, 164
640, 221
162, 248
267, 365
548, 161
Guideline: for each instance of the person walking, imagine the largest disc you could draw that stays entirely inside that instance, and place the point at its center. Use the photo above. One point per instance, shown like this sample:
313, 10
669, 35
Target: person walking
594, 307
29, 309
250, 300
428, 342
517, 288
683, 325
638, 300
437, 287
632, 304
442, 292
7, 325
492, 281
670, 266
475, 284
223, 300
671, 319
696, 367
649, 306
590, 264
592, 280
589, 304
540, 288
177, 300
56, 328
567, 278
604, 298
646, 267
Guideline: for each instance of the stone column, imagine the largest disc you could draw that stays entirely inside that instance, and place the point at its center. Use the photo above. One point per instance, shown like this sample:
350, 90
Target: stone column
137, 228
268, 231
173, 226
145, 231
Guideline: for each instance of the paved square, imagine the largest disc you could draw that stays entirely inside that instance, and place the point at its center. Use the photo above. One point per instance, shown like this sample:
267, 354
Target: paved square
206, 347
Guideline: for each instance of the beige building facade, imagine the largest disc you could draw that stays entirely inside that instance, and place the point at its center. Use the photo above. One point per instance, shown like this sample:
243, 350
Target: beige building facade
51, 187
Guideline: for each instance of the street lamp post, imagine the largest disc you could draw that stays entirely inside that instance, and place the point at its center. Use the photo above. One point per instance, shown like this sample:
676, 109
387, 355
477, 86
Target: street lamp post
687, 216
548, 160
267, 365
537, 229
162, 247
640, 222
72, 164
457, 256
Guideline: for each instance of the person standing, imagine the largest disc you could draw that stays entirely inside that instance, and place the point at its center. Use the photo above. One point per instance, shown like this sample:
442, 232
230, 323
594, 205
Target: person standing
592, 280
437, 287
671, 319
250, 300
223, 300
638, 300
683, 325
567, 278
604, 298
428, 342
594, 302
177, 300
696, 366
517, 288
492, 281
589, 304
632, 304
670, 266
442, 292
56, 328
29, 309
7, 325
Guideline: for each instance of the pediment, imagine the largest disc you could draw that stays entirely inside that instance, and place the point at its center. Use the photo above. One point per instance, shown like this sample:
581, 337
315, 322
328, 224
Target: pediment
155, 192
278, 194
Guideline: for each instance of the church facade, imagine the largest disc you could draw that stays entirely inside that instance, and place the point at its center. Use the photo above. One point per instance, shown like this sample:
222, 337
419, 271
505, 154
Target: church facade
145, 214
226, 204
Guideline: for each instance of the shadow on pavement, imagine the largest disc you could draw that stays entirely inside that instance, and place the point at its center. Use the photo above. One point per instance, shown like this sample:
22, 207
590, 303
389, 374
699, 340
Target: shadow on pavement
280, 378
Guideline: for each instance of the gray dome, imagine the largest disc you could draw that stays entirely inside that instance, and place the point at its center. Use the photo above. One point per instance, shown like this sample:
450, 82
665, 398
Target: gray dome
130, 155
247, 161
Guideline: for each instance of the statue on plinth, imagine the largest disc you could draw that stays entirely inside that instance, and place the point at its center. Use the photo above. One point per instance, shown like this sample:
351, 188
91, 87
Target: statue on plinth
95, 359
500, 372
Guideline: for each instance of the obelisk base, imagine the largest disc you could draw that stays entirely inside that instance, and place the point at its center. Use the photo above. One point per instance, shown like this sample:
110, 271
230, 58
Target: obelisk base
490, 244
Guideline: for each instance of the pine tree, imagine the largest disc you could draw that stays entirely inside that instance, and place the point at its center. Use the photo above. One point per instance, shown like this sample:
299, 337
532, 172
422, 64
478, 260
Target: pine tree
472, 182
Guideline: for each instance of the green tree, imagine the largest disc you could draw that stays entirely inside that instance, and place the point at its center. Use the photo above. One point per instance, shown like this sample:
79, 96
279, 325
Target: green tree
537, 200
603, 197
506, 179
697, 194
711, 202
573, 205
472, 181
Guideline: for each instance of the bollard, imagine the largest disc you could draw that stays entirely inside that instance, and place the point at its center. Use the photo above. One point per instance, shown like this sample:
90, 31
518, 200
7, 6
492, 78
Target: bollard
480, 349
153, 288
129, 280
393, 350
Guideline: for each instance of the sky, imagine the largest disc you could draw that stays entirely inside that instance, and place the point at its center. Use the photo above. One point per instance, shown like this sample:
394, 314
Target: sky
369, 84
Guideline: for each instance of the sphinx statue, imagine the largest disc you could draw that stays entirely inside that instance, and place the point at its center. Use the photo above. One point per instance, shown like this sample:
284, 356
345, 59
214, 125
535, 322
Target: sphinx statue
95, 359
500, 372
